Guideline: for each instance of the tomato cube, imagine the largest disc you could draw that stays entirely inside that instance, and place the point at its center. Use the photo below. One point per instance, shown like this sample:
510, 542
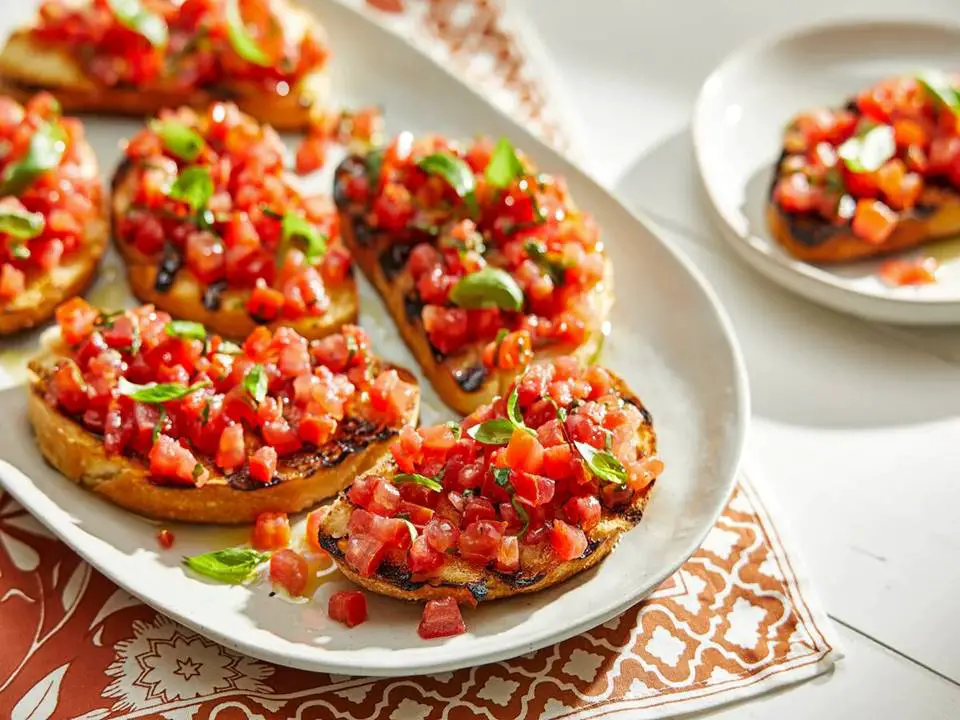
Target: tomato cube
263, 464
583, 510
171, 461
231, 451
364, 553
312, 533
289, 570
417, 514
68, 389
873, 221
76, 319
361, 491
348, 607
441, 618
165, 538
524, 452
271, 531
508, 555
317, 430
438, 438
478, 508
568, 542
385, 500
480, 541
422, 558
535, 489
441, 534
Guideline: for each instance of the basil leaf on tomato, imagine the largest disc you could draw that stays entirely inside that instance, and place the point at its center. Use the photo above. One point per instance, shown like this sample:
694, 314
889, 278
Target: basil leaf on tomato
492, 432
21, 224
489, 287
455, 171
134, 16
504, 166
44, 153
158, 392
602, 463
231, 565
181, 140
869, 150
193, 186
255, 383
417, 478
240, 39
186, 330
552, 266
514, 415
295, 227
501, 476
938, 86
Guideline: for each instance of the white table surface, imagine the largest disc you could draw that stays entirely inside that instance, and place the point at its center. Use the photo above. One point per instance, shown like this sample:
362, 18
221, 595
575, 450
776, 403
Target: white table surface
856, 425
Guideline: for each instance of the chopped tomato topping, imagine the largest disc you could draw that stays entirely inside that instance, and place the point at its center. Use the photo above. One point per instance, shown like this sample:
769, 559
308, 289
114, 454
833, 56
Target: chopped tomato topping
165, 538
312, 537
441, 618
898, 272
568, 542
271, 531
873, 221
263, 464
348, 607
289, 570
364, 553
169, 460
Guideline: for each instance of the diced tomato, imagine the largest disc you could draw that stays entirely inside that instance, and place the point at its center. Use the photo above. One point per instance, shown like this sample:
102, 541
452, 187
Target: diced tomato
165, 538
794, 194
508, 556
348, 607
422, 558
312, 533
317, 430
417, 514
361, 491
231, 451
169, 460
873, 221
535, 489
441, 534
271, 531
392, 396
480, 541
263, 464
385, 500
76, 319
437, 438
568, 542
364, 553
289, 570
12, 282
407, 449
583, 510
265, 303
67, 388
478, 508
897, 272
281, 437
441, 618
524, 452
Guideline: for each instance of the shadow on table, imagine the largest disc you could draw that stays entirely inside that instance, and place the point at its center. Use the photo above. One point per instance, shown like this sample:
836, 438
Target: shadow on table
808, 366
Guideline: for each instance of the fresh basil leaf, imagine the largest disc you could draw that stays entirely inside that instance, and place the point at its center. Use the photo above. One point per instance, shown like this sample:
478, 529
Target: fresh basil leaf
454, 428
44, 153
255, 382
501, 476
193, 186
868, 151
455, 171
158, 392
240, 39
232, 565
373, 163
492, 432
603, 464
419, 479
552, 266
489, 287
186, 330
504, 166
938, 86
296, 227
522, 513
21, 224
182, 140
134, 16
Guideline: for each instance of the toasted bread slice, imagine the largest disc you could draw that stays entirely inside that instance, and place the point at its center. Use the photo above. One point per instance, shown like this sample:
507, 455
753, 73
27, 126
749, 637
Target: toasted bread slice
27, 65
44, 291
470, 583
301, 480
185, 297
461, 380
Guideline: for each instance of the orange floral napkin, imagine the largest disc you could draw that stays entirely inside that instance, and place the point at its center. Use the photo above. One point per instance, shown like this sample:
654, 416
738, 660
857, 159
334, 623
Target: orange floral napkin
735, 621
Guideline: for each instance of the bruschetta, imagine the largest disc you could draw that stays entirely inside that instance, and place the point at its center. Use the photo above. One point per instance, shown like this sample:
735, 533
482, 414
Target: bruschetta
171, 422
214, 229
53, 217
879, 175
138, 56
521, 495
465, 241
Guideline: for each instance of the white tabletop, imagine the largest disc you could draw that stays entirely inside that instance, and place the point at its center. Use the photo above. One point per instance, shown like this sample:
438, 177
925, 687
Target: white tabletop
856, 425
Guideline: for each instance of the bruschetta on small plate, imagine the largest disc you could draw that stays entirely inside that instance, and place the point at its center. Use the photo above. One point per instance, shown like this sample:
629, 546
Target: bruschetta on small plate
829, 160
214, 228
53, 221
671, 345
134, 57
470, 245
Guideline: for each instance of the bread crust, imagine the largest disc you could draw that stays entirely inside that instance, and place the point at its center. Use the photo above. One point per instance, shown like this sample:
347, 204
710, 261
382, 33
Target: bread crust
27, 66
469, 583
184, 298
44, 291
443, 371
307, 478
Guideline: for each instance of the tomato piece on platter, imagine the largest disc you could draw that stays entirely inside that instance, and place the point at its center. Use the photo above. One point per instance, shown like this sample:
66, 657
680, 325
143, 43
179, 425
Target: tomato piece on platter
441, 618
348, 607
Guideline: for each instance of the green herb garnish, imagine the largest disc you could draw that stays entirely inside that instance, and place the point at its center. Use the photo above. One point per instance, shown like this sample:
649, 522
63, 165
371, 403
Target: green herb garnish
44, 153
429, 483
295, 227
193, 186
602, 463
492, 432
134, 16
489, 287
504, 166
232, 565
456, 172
240, 39
21, 224
869, 150
158, 392
186, 330
255, 382
181, 140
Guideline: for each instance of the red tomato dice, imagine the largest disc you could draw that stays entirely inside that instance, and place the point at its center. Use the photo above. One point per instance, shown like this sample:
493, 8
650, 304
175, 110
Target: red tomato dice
385, 500
508, 555
441, 618
480, 541
873, 221
568, 542
583, 510
348, 607
441, 534
312, 536
364, 553
171, 461
263, 464
165, 538
271, 531
76, 319
524, 452
421, 558
289, 570
231, 451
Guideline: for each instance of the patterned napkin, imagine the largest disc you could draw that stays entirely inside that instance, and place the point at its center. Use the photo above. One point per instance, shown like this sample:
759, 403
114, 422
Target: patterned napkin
735, 621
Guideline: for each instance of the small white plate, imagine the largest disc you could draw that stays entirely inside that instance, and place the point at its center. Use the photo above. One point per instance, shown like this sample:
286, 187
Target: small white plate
670, 339
737, 124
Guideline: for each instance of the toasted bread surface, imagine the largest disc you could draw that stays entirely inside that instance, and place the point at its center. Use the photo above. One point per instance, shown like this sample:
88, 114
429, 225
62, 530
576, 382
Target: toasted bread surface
185, 297
470, 583
44, 291
302, 479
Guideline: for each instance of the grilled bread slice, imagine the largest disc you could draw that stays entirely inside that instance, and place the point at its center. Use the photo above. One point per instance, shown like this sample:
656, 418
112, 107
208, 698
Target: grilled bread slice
470, 583
28, 65
460, 379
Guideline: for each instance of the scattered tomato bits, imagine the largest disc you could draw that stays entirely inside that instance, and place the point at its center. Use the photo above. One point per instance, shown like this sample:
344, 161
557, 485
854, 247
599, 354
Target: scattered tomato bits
348, 607
192, 404
271, 531
895, 149
184, 44
496, 244
441, 618
165, 539
211, 195
898, 272
289, 570
517, 486
49, 191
